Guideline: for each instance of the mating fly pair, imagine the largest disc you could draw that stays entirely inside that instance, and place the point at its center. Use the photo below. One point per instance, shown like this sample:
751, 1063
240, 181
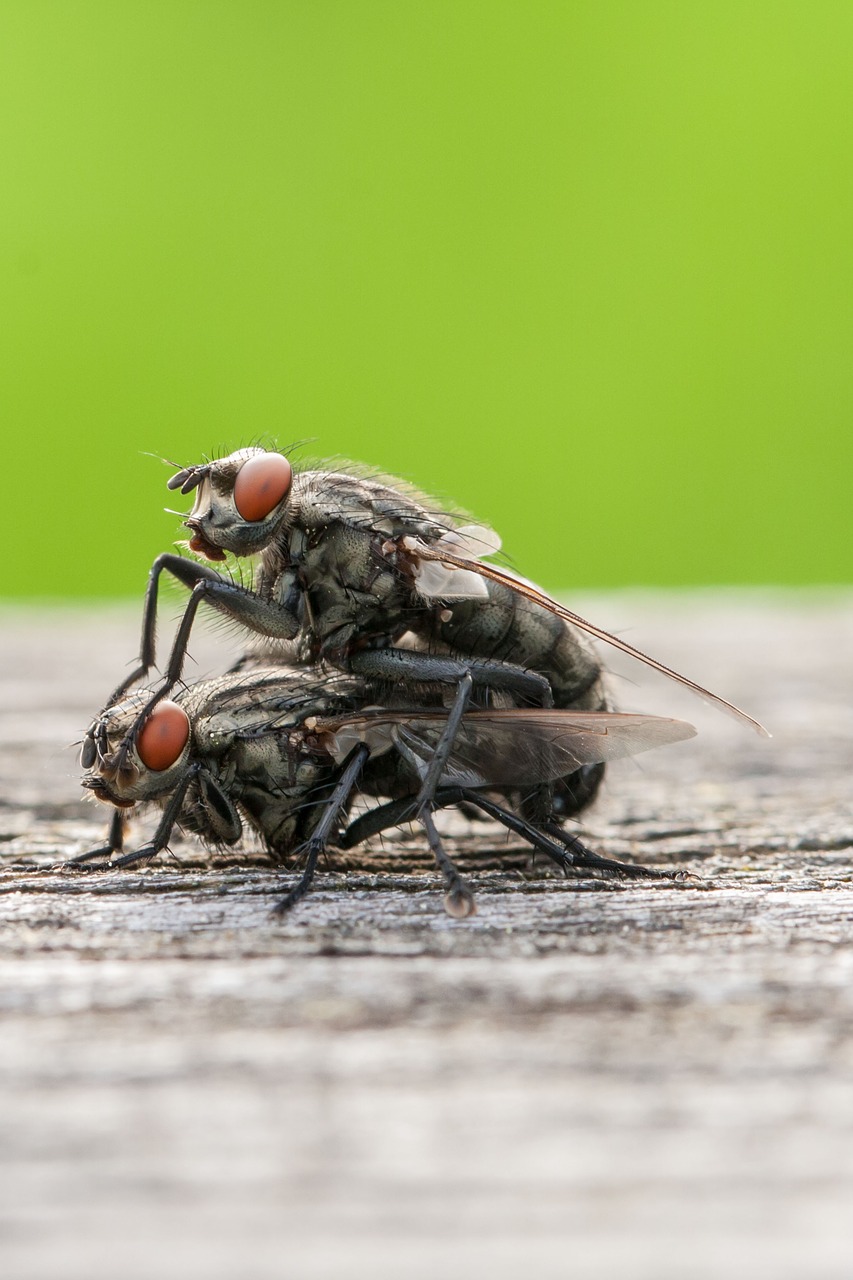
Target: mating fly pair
367, 577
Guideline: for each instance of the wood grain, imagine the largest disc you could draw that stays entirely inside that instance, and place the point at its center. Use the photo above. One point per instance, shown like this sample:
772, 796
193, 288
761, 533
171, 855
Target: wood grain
584, 1077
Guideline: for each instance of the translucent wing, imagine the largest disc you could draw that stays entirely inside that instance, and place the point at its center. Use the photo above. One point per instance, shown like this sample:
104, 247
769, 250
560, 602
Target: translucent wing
440, 579
506, 748
527, 589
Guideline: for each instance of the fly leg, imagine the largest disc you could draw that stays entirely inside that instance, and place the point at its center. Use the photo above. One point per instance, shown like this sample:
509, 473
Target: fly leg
319, 838
243, 606
410, 667
158, 842
565, 851
420, 668
187, 572
573, 852
432, 777
459, 898
114, 843
407, 666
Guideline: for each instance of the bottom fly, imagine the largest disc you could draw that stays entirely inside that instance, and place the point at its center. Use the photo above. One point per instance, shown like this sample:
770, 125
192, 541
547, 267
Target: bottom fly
288, 750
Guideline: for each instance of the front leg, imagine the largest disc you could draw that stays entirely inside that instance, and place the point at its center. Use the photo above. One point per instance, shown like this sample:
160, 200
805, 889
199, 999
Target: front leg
145, 852
263, 616
114, 844
189, 573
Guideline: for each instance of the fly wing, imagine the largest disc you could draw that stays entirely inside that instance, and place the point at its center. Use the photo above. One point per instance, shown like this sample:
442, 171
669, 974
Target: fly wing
531, 592
439, 579
507, 748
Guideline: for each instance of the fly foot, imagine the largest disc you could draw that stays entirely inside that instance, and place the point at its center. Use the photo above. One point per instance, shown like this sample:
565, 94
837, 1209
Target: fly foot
144, 853
88, 861
459, 901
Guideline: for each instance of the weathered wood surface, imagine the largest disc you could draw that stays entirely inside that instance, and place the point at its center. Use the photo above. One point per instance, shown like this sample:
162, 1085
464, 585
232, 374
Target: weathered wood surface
584, 1079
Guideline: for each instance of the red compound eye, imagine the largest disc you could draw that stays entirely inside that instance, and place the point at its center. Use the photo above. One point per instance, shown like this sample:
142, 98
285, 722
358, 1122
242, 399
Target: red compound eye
261, 484
164, 736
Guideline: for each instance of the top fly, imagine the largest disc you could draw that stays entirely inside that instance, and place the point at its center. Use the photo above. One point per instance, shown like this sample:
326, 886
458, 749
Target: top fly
350, 565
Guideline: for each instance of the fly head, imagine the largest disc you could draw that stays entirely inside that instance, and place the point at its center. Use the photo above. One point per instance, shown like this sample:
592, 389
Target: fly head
240, 502
153, 765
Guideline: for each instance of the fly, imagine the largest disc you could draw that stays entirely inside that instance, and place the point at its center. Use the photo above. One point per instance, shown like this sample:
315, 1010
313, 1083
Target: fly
286, 749
367, 576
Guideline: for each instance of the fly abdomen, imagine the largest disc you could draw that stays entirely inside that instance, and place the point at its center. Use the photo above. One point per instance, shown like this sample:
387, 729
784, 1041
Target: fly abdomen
509, 628
512, 629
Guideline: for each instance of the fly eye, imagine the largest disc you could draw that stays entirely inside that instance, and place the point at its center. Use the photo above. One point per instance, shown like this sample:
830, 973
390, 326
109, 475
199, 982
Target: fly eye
164, 736
261, 484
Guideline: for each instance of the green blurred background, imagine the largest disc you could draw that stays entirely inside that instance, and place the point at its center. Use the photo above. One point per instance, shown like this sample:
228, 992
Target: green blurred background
585, 268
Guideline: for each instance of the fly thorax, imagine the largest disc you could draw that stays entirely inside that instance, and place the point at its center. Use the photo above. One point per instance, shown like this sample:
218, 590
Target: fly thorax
262, 760
350, 586
215, 734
